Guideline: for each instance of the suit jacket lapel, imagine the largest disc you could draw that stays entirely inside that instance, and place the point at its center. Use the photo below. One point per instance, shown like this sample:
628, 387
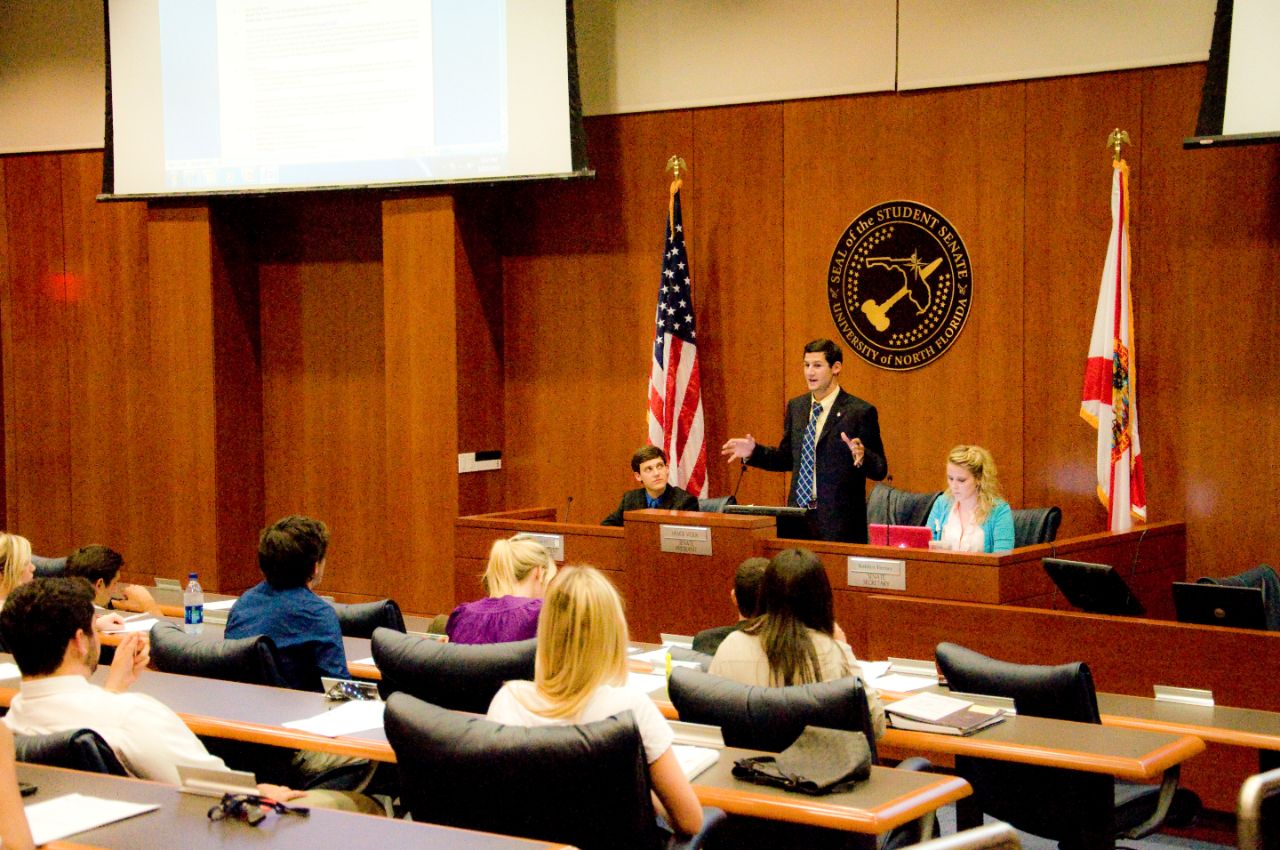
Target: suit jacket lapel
835, 418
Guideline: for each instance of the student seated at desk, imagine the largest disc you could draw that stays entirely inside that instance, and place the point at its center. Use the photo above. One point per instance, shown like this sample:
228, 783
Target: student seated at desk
17, 569
795, 640
284, 607
745, 595
100, 566
15, 834
580, 675
48, 625
516, 579
649, 464
971, 516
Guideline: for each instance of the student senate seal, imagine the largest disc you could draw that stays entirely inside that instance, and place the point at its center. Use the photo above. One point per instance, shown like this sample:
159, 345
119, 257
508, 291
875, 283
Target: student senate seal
900, 285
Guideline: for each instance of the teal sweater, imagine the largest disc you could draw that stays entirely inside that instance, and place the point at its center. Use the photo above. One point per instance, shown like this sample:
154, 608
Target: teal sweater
997, 528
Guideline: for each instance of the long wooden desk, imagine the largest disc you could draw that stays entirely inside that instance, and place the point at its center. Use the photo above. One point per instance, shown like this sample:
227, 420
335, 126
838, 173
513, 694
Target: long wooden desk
1127, 657
181, 821
254, 713
685, 592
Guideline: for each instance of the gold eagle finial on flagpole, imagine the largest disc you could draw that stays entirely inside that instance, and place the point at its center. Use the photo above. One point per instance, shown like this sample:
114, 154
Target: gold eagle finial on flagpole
675, 165
1117, 138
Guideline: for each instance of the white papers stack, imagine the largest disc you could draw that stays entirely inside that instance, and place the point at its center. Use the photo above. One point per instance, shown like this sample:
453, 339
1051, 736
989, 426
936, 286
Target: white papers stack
60, 817
355, 716
141, 625
647, 682
9, 670
898, 683
694, 760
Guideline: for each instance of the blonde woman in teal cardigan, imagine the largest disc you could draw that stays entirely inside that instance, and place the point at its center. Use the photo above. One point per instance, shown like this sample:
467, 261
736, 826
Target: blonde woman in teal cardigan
971, 516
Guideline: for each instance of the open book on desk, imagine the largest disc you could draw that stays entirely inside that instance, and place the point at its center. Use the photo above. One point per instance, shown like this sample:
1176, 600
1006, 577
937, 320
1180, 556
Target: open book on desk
942, 715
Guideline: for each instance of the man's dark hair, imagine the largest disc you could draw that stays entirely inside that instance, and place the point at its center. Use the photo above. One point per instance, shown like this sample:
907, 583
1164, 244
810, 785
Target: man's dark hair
289, 551
826, 348
41, 617
746, 585
644, 454
94, 562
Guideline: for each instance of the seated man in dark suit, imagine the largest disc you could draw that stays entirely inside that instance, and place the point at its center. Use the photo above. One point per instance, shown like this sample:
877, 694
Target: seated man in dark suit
745, 594
649, 463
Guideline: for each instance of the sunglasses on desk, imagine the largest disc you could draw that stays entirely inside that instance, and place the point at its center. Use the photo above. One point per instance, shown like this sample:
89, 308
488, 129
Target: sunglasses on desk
344, 690
251, 808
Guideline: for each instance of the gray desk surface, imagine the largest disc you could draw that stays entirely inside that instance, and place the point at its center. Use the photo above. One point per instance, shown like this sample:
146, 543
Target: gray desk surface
181, 821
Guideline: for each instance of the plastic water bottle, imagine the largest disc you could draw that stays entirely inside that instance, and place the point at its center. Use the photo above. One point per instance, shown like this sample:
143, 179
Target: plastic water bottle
193, 606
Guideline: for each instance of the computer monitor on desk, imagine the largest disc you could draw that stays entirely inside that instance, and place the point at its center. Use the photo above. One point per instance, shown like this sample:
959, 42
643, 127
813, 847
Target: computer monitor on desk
1093, 588
1219, 605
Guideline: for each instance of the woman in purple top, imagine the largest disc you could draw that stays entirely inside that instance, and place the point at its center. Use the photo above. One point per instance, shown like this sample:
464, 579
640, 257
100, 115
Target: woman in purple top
517, 577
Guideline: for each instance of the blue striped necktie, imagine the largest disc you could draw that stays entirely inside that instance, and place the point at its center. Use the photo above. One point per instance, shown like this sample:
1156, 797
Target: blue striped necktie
804, 480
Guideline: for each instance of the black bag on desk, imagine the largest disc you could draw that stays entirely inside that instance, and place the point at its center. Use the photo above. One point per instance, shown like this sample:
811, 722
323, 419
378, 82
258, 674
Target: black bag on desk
819, 762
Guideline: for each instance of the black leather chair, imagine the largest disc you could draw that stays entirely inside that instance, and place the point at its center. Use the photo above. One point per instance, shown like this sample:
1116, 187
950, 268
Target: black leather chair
908, 508
1050, 802
78, 749
360, 619
254, 660
49, 567
1035, 525
715, 505
586, 785
1258, 812
463, 677
769, 719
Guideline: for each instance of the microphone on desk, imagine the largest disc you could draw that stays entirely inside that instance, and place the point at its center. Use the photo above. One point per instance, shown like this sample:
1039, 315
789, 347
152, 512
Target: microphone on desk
567, 508
742, 472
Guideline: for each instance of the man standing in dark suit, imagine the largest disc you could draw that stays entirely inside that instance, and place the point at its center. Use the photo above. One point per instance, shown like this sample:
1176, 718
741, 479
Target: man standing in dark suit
831, 441
649, 463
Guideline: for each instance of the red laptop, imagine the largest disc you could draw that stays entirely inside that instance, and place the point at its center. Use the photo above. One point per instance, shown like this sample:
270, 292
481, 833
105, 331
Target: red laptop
901, 536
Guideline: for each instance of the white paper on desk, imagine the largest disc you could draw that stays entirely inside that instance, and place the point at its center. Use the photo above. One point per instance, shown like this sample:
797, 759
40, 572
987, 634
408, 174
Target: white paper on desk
69, 814
355, 716
9, 670
220, 605
872, 670
143, 625
693, 760
658, 658
902, 684
647, 682
369, 662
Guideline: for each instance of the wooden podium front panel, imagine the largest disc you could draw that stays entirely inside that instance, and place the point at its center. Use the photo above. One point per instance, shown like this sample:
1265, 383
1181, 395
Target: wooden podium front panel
598, 545
684, 593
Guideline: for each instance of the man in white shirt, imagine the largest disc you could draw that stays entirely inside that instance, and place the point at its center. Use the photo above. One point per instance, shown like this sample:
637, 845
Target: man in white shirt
56, 648
48, 626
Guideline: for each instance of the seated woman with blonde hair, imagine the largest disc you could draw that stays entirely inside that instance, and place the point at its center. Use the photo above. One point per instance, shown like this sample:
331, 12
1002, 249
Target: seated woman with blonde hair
515, 580
15, 563
971, 516
795, 640
580, 675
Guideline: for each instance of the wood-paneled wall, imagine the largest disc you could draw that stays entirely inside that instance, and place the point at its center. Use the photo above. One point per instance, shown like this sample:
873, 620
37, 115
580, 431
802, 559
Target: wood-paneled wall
175, 377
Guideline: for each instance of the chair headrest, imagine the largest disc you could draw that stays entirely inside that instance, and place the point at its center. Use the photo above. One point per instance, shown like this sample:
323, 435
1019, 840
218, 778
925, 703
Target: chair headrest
470, 772
361, 618
769, 719
1062, 691
463, 677
252, 660
75, 749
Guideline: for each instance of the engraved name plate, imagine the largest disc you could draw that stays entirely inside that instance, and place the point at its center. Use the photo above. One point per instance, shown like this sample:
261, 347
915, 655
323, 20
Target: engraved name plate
685, 539
877, 573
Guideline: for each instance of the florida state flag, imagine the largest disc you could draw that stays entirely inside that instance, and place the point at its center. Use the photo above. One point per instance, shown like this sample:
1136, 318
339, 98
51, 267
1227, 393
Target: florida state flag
1110, 401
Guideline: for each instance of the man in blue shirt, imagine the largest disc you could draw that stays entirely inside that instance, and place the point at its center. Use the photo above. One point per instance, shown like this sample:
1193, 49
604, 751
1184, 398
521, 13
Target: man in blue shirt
284, 608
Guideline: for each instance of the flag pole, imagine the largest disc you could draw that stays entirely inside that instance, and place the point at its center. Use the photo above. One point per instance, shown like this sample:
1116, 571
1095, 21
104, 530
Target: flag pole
1117, 138
674, 166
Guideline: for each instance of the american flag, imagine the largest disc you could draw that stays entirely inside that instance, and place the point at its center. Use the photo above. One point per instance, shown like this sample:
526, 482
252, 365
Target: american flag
675, 391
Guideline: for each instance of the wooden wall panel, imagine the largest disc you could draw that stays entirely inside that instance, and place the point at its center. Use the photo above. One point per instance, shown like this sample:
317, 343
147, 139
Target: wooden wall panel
323, 374
1068, 221
36, 368
422, 387
581, 267
956, 152
179, 488
734, 213
5, 342
1207, 272
114, 430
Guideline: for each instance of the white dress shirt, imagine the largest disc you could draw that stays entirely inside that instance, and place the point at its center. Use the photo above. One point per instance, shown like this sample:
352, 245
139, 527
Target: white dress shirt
146, 735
